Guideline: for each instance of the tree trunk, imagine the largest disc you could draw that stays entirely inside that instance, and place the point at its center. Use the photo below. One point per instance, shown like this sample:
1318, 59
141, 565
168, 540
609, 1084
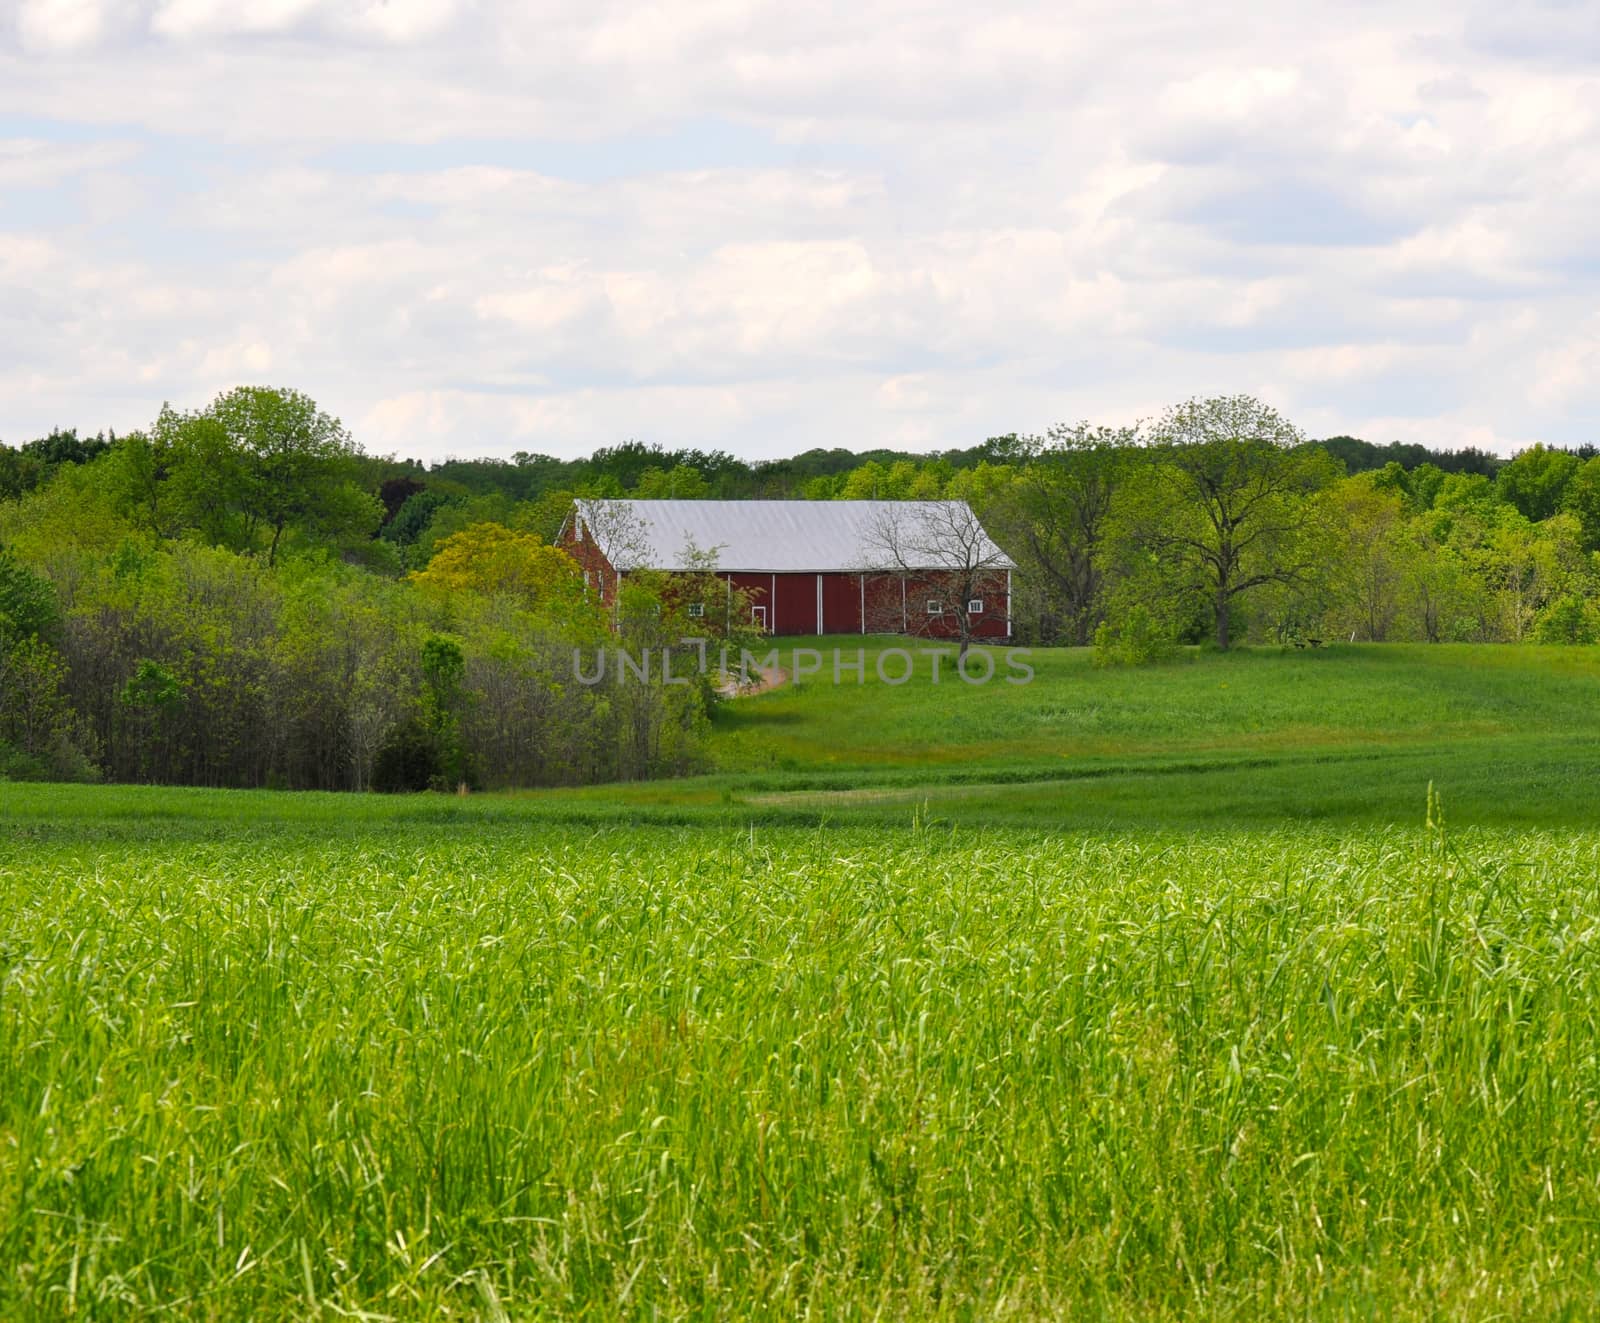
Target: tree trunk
1224, 602
1082, 630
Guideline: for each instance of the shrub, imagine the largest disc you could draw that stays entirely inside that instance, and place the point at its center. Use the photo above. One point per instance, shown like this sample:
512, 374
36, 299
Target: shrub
1136, 639
1571, 619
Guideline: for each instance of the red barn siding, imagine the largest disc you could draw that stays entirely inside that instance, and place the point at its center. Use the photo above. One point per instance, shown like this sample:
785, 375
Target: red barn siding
830, 602
885, 604
899, 605
759, 587
600, 576
894, 604
795, 605
841, 604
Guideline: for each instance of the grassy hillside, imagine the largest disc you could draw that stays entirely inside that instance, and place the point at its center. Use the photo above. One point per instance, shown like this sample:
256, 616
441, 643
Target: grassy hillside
1352, 734
1259, 699
1346, 733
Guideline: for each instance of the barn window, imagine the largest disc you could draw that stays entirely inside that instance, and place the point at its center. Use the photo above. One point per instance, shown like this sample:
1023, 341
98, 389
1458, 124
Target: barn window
935, 608
696, 610
975, 607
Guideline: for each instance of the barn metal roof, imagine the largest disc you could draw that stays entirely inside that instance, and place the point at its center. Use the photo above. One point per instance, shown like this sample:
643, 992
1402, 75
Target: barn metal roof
782, 536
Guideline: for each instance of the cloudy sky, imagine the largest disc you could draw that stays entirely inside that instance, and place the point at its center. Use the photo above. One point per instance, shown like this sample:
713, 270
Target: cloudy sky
475, 228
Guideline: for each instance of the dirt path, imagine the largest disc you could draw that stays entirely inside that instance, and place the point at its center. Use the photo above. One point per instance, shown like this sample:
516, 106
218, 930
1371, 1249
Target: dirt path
771, 678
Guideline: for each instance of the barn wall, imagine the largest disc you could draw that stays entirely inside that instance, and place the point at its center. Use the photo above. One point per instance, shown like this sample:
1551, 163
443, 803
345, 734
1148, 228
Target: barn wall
897, 605
759, 587
885, 604
796, 605
841, 603
602, 577
894, 604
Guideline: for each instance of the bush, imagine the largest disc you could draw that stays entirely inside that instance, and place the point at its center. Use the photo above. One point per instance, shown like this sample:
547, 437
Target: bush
61, 760
1136, 639
1569, 620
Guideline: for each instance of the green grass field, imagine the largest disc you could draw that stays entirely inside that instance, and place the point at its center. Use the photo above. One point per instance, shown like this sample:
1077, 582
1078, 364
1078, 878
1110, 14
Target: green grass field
1133, 995
1511, 736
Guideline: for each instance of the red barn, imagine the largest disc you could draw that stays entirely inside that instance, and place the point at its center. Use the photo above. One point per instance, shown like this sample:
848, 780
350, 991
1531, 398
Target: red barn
812, 567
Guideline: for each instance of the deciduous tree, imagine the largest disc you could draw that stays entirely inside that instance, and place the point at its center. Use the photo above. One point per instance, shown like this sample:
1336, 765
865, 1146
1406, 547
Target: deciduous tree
292, 464
491, 559
1536, 480
1223, 503
1056, 517
942, 547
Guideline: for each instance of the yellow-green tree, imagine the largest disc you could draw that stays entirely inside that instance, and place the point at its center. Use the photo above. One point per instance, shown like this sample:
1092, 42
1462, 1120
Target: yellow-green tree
492, 560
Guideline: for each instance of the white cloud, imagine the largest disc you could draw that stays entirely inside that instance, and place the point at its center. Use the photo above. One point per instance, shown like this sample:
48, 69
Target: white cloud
65, 25
36, 163
398, 21
469, 226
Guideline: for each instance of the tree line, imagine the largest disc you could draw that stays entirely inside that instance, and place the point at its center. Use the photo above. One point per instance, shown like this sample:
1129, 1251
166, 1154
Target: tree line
211, 602
239, 595
1221, 523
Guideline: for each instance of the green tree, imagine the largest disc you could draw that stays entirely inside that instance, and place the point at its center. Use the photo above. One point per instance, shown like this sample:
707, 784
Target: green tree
1569, 619
1582, 501
444, 669
20, 472
679, 483
1438, 589
32, 465
293, 465
151, 693
874, 481
1224, 503
658, 725
1057, 515
28, 608
1536, 480
204, 489
457, 515
1529, 566
41, 737
137, 474
1370, 564
491, 558
412, 517
1424, 485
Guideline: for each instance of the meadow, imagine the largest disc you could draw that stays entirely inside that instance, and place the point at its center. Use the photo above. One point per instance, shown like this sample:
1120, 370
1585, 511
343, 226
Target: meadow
1343, 734
1131, 995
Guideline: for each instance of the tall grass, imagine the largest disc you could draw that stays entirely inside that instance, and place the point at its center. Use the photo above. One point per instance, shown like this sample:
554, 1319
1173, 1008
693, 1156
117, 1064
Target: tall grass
420, 1069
